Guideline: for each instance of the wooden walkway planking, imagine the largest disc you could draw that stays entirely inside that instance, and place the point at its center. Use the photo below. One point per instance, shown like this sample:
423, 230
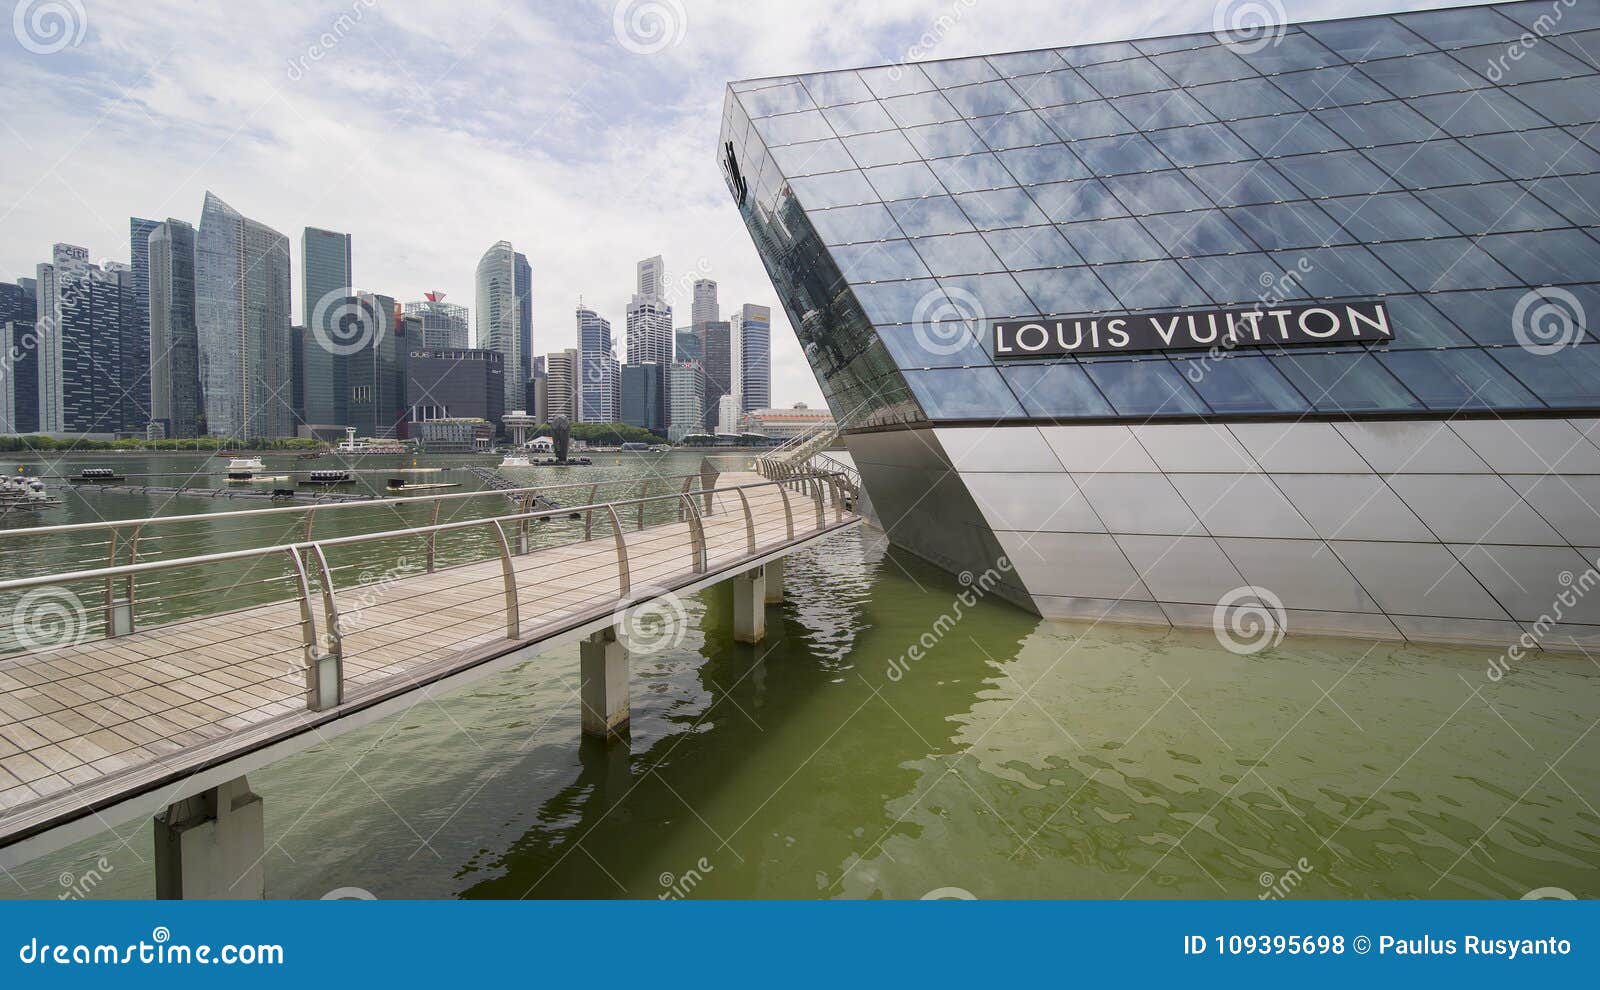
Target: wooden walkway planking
110, 714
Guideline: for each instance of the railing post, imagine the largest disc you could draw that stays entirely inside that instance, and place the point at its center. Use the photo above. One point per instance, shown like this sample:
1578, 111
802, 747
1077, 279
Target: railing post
308, 627
697, 534
325, 676
788, 513
749, 522
623, 580
588, 516
432, 535
816, 498
524, 506
513, 619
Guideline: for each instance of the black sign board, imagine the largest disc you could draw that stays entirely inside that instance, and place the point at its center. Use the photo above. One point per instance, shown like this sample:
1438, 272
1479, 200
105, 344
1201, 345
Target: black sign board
736, 182
1258, 326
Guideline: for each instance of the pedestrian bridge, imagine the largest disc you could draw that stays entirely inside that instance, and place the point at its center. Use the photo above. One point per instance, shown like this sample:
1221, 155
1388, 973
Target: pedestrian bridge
127, 697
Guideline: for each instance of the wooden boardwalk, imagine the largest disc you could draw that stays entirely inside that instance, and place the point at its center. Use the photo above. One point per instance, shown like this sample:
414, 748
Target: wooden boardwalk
85, 726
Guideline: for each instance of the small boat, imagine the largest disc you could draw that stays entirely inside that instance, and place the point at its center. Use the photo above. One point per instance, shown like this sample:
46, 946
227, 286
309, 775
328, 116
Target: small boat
516, 461
98, 474
244, 468
329, 477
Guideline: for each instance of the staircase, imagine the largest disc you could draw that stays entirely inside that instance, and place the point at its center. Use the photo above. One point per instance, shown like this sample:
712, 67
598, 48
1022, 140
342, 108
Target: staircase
804, 452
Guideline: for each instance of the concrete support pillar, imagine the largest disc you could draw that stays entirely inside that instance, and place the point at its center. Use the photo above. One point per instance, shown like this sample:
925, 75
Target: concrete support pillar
750, 606
212, 846
775, 581
603, 672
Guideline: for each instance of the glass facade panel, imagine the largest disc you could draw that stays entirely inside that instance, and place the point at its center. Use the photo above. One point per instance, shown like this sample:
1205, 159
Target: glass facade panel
1404, 158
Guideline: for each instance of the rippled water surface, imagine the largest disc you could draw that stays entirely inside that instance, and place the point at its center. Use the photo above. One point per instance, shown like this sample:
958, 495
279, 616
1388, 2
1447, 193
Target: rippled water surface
1016, 758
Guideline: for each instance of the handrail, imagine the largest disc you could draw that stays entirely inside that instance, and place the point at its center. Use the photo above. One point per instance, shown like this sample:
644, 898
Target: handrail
249, 553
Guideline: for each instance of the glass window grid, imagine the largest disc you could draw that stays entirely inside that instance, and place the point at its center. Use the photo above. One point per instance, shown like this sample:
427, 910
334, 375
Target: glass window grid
1487, 350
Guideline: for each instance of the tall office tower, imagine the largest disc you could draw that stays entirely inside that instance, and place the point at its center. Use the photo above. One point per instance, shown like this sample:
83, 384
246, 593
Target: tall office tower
688, 345
444, 325
561, 375
19, 350
735, 366
686, 389
649, 330
498, 315
755, 357
136, 329
297, 373
538, 393
174, 345
242, 318
597, 364
716, 358
79, 324
704, 309
377, 400
644, 396
651, 277
523, 284
326, 304
728, 415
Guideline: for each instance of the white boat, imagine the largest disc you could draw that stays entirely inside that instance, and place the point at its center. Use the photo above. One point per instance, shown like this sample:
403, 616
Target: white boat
516, 461
244, 468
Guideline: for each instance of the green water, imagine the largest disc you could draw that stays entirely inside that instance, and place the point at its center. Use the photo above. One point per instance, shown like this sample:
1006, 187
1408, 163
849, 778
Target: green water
1017, 758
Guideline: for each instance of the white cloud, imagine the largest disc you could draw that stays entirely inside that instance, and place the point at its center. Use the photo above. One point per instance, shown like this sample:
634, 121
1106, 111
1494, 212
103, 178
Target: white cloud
431, 130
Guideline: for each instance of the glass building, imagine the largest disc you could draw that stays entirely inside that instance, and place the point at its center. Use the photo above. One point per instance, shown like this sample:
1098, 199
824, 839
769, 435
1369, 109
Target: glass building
1437, 171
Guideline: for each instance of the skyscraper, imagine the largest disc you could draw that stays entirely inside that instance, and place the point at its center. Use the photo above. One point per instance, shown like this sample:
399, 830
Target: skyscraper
524, 288
652, 277
80, 313
499, 315
242, 318
686, 388
705, 308
689, 347
174, 347
597, 368
755, 357
326, 303
444, 325
644, 396
561, 371
136, 329
649, 330
716, 358
19, 350
376, 370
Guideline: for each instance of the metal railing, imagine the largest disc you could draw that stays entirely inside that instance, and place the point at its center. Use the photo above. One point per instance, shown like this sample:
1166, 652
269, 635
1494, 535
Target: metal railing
323, 653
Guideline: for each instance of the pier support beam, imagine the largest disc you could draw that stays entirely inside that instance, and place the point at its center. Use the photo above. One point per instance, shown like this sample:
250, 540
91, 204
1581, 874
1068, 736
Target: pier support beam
212, 846
774, 581
750, 606
603, 689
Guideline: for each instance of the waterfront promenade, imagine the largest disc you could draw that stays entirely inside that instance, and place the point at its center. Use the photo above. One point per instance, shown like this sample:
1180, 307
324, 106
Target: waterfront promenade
108, 728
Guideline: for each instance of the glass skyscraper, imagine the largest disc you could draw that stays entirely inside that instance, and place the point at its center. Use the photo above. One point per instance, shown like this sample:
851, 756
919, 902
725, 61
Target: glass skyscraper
598, 384
327, 302
499, 317
755, 357
174, 346
1156, 320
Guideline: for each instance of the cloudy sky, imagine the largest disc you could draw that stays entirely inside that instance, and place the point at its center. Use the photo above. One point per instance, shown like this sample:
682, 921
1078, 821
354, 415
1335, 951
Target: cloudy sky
583, 131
